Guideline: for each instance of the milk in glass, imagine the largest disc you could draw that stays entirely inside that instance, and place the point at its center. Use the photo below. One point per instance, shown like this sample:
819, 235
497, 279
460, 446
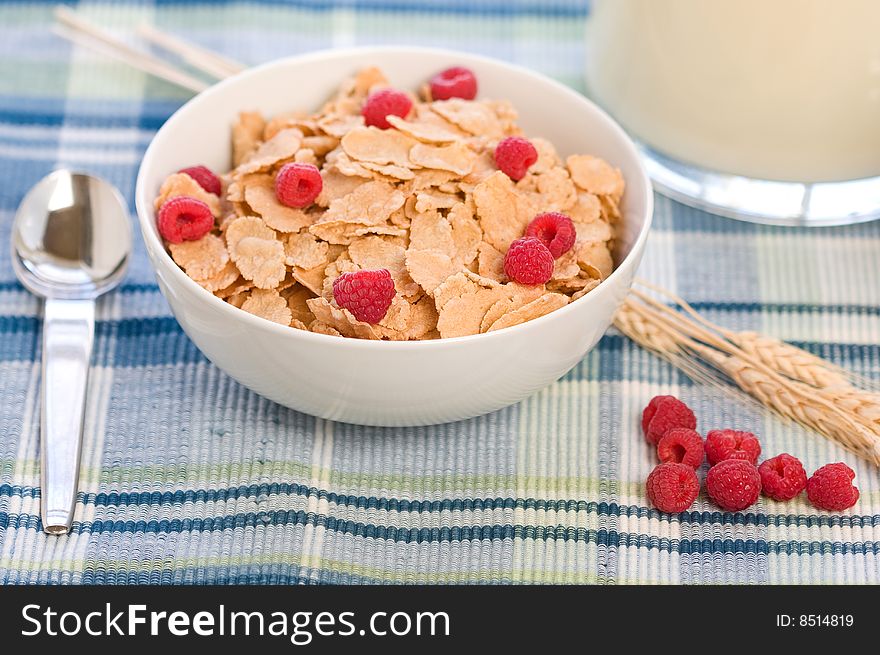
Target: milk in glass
770, 89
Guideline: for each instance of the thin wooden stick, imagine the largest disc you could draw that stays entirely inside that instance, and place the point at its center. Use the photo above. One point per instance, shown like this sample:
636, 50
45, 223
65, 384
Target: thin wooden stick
205, 60
83, 33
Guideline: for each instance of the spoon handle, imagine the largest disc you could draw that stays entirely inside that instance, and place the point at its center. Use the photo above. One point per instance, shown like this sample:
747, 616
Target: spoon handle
68, 332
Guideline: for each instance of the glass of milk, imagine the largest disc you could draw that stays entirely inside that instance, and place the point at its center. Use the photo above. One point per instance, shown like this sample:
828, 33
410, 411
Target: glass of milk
764, 110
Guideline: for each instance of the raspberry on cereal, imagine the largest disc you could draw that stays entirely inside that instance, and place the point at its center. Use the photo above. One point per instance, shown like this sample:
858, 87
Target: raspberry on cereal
556, 230
184, 219
831, 487
382, 103
528, 261
366, 294
664, 413
672, 487
514, 155
733, 484
732, 444
297, 185
682, 446
455, 82
782, 477
204, 177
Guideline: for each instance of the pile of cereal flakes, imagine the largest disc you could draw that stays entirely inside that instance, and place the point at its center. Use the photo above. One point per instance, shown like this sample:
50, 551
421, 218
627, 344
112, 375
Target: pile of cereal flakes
422, 199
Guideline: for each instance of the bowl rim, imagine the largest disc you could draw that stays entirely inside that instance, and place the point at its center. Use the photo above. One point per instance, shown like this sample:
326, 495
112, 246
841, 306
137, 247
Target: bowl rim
144, 206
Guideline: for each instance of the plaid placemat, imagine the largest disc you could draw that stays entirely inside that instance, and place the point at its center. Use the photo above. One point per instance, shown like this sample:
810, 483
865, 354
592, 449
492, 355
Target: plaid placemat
187, 477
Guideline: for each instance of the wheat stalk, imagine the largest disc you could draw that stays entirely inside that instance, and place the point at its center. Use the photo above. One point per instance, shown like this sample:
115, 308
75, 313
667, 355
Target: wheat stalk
793, 362
793, 383
651, 335
646, 333
803, 406
864, 404
790, 360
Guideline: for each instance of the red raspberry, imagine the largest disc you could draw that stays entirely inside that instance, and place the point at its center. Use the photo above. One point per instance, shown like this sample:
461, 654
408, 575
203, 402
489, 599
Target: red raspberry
664, 413
297, 185
732, 444
205, 178
682, 446
383, 102
651, 409
184, 219
782, 477
366, 294
455, 82
555, 230
672, 487
831, 487
514, 155
528, 261
733, 484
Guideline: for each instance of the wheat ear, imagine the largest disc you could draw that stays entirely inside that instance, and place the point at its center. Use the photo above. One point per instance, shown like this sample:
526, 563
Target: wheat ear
803, 406
840, 412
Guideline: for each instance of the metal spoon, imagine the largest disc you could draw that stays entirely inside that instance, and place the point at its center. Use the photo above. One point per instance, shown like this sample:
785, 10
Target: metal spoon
71, 241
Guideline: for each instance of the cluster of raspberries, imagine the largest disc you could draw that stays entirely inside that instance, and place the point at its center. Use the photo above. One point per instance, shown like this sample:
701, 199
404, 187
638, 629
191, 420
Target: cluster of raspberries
734, 480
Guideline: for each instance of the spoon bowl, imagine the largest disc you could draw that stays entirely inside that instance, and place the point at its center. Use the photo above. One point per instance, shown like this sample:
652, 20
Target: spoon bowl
68, 241
71, 242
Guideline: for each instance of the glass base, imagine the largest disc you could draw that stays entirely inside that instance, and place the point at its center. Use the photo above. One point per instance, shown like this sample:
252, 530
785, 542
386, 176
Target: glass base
793, 204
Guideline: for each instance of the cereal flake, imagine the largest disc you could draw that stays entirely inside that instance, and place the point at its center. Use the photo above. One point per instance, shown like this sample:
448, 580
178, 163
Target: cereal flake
268, 304
201, 259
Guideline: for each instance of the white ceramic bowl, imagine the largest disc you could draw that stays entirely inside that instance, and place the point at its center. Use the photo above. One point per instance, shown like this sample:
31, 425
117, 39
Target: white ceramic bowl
378, 382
